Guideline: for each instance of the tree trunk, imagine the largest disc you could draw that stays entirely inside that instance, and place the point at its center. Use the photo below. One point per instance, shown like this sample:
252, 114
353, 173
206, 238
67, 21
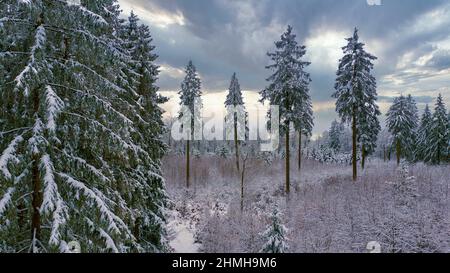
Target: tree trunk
36, 201
384, 153
288, 189
136, 229
355, 171
439, 155
242, 186
399, 151
363, 157
236, 145
170, 139
299, 151
187, 163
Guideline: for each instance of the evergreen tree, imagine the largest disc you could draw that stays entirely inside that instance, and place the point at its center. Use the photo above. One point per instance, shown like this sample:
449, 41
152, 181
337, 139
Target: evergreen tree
356, 95
437, 147
369, 127
190, 97
223, 152
334, 141
410, 154
288, 89
141, 75
73, 164
275, 235
402, 123
424, 134
234, 100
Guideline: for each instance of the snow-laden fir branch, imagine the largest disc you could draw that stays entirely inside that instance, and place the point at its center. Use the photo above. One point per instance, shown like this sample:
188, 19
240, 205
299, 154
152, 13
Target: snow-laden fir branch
126, 145
37, 138
6, 199
13, 130
39, 40
52, 201
97, 18
115, 224
108, 241
54, 106
109, 83
50, 187
105, 104
9, 155
87, 166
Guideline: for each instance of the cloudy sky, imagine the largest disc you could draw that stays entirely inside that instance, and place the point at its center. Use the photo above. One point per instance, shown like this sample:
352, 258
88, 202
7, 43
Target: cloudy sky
411, 39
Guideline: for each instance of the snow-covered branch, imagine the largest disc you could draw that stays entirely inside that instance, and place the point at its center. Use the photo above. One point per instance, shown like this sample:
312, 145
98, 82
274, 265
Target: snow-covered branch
6, 199
115, 224
9, 154
54, 106
52, 201
39, 40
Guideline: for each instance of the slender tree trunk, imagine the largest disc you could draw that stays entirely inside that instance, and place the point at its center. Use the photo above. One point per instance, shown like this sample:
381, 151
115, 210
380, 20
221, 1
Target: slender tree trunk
187, 163
299, 151
399, 151
242, 186
236, 145
363, 159
439, 154
36, 201
21, 214
355, 170
170, 139
136, 229
384, 153
288, 188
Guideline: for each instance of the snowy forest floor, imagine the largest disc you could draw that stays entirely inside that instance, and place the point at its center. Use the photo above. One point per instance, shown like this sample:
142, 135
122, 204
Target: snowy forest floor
405, 210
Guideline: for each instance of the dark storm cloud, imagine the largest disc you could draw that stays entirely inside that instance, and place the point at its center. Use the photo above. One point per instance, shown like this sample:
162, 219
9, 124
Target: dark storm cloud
440, 60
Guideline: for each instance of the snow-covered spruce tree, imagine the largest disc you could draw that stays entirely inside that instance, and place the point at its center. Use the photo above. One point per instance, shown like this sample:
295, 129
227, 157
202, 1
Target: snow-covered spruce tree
223, 152
423, 135
275, 235
288, 89
334, 140
141, 75
402, 123
356, 93
369, 127
233, 102
410, 155
72, 165
439, 134
190, 96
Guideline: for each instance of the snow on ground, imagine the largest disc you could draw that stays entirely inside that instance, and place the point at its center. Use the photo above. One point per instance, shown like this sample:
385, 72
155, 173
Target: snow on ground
326, 211
181, 235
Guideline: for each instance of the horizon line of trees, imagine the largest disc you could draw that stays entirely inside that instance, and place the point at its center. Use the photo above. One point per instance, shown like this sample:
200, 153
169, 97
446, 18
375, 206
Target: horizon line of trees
406, 135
